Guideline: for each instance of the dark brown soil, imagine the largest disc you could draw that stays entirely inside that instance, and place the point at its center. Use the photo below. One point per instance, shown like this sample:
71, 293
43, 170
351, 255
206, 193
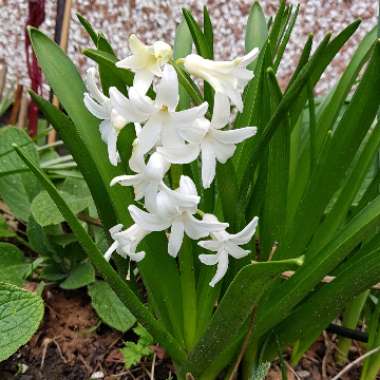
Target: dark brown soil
72, 344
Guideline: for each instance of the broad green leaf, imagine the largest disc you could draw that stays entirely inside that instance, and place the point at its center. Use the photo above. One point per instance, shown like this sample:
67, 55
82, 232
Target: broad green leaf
256, 31
123, 291
14, 268
20, 315
17, 190
109, 307
228, 320
46, 213
37, 238
82, 275
182, 47
5, 230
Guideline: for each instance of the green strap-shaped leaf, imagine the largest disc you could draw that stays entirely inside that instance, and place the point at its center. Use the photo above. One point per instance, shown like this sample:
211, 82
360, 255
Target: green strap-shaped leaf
273, 219
182, 47
126, 295
228, 320
285, 296
338, 213
88, 27
324, 305
335, 159
256, 31
20, 315
65, 81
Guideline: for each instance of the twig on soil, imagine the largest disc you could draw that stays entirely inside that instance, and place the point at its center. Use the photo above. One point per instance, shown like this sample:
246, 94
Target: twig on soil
46, 343
153, 365
356, 361
326, 355
291, 369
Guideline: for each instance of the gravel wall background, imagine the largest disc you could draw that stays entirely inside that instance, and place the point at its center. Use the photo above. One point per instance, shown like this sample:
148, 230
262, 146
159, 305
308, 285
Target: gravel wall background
155, 19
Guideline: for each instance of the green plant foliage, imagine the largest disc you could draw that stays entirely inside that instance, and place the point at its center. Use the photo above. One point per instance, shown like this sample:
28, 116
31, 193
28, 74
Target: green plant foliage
14, 267
19, 189
109, 307
82, 275
46, 213
134, 352
20, 315
5, 231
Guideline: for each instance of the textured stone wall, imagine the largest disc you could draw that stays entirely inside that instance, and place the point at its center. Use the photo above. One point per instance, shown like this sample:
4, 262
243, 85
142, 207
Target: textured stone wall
155, 19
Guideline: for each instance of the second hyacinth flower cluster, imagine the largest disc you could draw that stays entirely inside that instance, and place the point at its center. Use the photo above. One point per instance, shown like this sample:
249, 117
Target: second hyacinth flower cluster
165, 136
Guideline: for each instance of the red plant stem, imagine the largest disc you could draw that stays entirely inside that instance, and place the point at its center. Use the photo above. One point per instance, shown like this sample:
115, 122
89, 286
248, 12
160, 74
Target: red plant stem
36, 16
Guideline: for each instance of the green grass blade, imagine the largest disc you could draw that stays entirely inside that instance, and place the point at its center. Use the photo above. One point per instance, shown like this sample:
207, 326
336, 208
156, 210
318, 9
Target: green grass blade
89, 29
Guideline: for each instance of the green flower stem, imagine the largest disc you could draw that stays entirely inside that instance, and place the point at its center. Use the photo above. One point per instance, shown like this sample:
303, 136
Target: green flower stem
189, 294
126, 295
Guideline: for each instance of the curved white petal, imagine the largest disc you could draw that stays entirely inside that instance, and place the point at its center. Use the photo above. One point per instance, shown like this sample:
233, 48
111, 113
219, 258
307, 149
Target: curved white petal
126, 180
189, 115
208, 165
208, 259
222, 151
221, 269
138, 256
197, 229
93, 88
234, 136
195, 132
250, 57
125, 108
211, 245
150, 134
99, 111
136, 162
175, 238
245, 235
143, 80
235, 251
183, 154
187, 186
221, 112
113, 154
180, 199
141, 102
110, 251
167, 90
147, 221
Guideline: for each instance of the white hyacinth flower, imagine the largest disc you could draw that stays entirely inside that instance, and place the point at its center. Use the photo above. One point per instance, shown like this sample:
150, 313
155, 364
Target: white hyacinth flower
126, 242
149, 178
208, 139
175, 212
161, 121
228, 78
225, 244
100, 106
145, 61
